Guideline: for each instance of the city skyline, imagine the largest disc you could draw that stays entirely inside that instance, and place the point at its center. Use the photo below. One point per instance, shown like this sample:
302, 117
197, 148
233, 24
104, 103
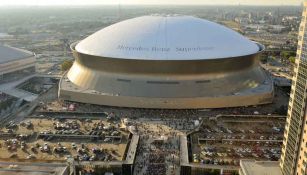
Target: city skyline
149, 2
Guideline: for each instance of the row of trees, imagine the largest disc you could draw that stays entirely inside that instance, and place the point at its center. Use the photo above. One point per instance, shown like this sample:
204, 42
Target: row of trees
285, 56
288, 56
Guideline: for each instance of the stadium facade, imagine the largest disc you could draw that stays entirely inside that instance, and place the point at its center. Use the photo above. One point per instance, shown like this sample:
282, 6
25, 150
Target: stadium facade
15, 63
173, 62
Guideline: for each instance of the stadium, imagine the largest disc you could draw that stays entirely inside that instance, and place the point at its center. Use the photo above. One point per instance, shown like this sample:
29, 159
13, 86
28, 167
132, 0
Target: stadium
169, 62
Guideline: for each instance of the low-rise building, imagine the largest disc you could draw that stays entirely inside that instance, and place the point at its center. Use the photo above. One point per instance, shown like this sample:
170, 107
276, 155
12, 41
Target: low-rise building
252, 167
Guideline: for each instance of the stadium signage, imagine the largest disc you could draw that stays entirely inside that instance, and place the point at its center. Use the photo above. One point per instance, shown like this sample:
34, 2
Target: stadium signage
163, 49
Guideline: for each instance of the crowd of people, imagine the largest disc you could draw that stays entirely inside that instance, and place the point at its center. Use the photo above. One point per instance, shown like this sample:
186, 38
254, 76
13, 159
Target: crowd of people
158, 151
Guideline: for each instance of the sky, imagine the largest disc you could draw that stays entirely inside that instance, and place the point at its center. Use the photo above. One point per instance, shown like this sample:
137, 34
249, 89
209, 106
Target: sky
145, 2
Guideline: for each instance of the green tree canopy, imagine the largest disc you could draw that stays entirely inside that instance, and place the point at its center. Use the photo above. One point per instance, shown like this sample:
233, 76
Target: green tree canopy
292, 59
287, 54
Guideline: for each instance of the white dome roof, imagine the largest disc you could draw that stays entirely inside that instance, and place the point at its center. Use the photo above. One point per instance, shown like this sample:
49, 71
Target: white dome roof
167, 38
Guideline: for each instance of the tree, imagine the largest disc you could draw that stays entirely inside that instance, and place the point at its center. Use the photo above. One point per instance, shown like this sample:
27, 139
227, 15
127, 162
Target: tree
264, 59
66, 65
292, 59
287, 54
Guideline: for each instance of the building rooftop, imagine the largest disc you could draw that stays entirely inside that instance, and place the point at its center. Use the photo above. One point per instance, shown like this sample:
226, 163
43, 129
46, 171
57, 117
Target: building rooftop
167, 37
252, 167
132, 149
19, 168
8, 53
184, 155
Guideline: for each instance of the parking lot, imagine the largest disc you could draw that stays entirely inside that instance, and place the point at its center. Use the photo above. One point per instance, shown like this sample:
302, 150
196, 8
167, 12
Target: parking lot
227, 140
44, 139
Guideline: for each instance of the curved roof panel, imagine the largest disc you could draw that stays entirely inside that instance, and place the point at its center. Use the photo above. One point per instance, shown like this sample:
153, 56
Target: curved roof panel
167, 38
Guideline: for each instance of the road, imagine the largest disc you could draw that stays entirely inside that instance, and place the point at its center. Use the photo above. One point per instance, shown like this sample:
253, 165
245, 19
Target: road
10, 88
27, 109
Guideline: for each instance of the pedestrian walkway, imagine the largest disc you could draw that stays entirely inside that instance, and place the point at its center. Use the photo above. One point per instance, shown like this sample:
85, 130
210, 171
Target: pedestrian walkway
158, 152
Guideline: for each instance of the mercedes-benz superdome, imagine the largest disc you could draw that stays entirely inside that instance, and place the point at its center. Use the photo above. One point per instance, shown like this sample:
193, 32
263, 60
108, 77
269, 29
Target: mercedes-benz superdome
164, 61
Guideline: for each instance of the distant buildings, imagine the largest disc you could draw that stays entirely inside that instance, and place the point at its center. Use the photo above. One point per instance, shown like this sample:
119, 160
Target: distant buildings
294, 150
15, 63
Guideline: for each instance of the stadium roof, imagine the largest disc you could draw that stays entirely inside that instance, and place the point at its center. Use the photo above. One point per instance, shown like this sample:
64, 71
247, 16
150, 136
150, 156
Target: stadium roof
165, 37
8, 53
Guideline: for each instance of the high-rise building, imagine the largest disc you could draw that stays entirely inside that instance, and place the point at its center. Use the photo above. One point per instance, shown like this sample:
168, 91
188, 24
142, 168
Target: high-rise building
294, 150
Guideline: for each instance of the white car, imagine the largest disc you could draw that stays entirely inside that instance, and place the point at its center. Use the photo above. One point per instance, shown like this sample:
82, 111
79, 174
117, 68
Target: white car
107, 140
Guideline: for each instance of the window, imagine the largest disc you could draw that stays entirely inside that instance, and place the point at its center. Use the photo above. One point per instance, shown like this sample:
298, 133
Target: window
123, 80
162, 82
203, 81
